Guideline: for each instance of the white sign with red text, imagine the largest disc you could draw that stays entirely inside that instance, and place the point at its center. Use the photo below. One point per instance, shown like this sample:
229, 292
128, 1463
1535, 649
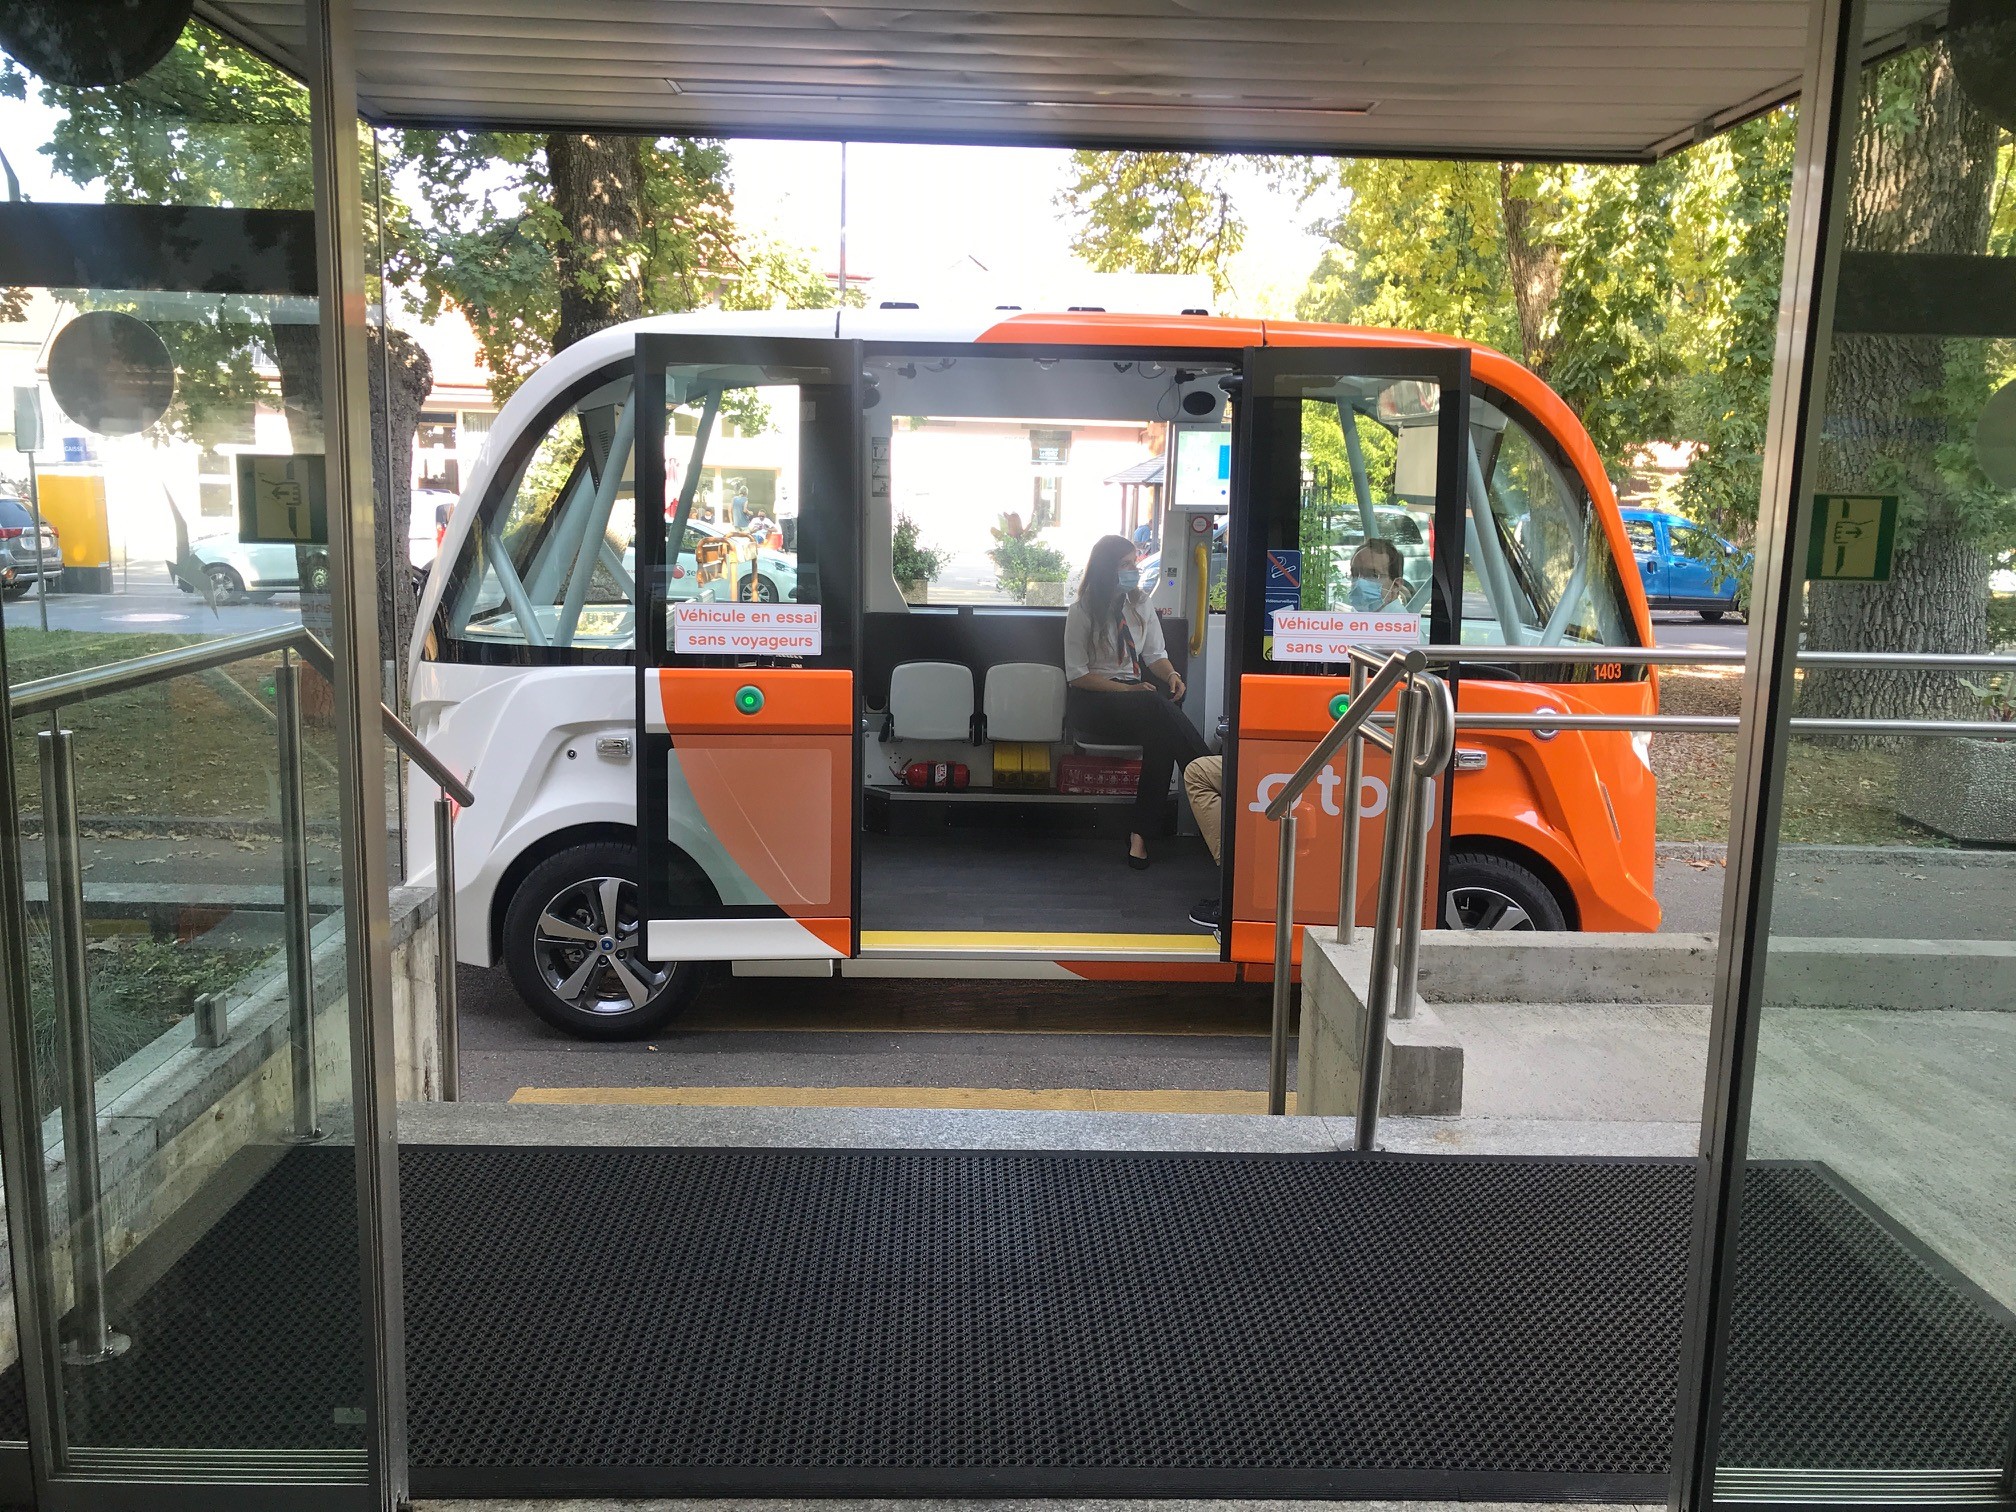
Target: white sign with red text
1327, 635
702, 628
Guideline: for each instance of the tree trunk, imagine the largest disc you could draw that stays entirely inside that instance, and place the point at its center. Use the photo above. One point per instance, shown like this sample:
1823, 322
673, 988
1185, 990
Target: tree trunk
597, 183
400, 377
1924, 188
1534, 265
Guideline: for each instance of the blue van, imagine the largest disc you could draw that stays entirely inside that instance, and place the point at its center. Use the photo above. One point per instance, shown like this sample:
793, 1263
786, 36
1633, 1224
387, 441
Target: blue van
1684, 565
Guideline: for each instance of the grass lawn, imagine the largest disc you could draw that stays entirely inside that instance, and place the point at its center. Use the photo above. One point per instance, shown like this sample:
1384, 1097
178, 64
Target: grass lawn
195, 746
1834, 794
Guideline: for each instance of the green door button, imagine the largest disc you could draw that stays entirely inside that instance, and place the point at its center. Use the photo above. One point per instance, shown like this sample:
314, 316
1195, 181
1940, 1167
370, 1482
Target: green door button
1339, 704
749, 699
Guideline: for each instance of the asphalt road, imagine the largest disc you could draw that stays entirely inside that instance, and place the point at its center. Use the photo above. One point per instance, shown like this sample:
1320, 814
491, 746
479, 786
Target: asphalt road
1694, 633
146, 601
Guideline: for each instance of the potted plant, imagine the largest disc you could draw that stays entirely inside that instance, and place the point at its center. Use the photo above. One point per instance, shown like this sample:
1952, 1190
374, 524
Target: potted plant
914, 564
1031, 572
1964, 787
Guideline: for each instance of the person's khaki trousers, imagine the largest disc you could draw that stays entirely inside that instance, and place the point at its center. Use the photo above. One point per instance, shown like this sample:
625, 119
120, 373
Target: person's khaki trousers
1204, 785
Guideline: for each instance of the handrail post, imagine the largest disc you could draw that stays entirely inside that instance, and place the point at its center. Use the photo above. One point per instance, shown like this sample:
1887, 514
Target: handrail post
1379, 986
446, 1006
1420, 778
1354, 787
1284, 951
93, 1337
294, 902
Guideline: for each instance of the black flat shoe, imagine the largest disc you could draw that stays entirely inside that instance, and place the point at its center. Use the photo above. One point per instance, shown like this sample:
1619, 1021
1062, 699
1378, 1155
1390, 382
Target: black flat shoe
1138, 863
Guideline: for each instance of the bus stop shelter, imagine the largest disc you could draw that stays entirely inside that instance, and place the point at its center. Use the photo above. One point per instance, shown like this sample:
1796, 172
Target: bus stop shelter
1526, 80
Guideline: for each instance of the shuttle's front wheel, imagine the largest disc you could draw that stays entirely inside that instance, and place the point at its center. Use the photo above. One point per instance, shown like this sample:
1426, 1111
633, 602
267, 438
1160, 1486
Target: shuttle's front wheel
574, 945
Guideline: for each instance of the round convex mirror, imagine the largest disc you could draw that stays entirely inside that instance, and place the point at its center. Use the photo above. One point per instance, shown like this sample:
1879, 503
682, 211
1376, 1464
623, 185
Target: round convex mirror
89, 44
111, 373
1995, 437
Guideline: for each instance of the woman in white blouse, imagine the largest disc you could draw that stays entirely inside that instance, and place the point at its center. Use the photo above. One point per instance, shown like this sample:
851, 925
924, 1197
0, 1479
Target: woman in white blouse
1123, 689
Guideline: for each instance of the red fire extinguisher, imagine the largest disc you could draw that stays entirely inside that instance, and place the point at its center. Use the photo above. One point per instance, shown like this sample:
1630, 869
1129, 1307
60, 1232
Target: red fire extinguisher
937, 776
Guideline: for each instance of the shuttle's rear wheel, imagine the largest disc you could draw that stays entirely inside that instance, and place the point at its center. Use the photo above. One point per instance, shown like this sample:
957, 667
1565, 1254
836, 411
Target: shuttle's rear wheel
574, 945
1483, 891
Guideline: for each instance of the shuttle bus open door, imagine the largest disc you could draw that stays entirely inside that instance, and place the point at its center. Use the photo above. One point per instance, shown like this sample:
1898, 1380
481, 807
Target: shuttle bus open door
747, 711
1333, 446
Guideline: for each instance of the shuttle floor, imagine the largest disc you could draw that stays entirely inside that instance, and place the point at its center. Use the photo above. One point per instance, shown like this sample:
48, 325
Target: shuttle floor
985, 880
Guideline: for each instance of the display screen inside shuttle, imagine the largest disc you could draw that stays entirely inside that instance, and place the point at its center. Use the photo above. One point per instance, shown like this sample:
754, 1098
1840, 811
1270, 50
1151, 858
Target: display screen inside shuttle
1203, 469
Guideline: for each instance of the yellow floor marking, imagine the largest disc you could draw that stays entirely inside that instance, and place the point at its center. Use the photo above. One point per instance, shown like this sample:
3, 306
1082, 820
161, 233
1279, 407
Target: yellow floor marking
1062, 947
1007, 1099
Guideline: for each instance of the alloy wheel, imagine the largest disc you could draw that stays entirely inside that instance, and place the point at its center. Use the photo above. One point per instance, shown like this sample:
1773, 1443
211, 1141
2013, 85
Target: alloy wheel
1484, 908
587, 944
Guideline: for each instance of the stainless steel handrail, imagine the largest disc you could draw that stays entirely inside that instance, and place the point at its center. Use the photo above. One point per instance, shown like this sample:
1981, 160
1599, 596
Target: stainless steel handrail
396, 729
1397, 669
94, 1337
47, 694
1422, 742
1662, 656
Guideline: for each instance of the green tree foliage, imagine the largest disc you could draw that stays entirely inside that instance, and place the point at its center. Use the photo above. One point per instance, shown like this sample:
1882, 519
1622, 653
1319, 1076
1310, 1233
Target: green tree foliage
492, 237
1429, 246
1728, 257
1162, 212
1419, 246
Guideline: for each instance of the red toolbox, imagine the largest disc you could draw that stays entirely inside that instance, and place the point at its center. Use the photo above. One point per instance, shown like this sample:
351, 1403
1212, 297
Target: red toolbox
1106, 776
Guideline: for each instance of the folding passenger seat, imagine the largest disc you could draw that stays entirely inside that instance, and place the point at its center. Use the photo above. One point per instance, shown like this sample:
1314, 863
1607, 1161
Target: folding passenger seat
1024, 717
930, 700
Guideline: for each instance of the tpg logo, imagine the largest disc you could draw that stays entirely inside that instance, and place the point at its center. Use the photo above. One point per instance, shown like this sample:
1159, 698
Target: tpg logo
1371, 793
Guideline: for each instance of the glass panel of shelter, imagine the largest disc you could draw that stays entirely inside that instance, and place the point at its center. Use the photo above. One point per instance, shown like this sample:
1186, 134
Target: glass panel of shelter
190, 1086
1871, 1351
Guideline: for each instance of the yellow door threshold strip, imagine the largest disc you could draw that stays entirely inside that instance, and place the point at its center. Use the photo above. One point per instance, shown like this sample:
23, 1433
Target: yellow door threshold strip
1002, 1099
1045, 944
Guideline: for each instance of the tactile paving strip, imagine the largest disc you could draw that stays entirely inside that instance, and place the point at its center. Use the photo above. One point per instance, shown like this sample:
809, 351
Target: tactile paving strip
788, 1321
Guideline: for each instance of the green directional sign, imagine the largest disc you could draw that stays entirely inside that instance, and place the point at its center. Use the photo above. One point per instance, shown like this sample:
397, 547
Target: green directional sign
1852, 538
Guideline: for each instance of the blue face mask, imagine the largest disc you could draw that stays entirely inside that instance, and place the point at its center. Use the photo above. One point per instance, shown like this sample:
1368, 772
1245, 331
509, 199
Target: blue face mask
1367, 593
1124, 579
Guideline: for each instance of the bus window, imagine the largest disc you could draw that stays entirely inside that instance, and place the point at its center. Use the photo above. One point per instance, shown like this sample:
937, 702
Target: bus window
1537, 566
550, 562
1364, 535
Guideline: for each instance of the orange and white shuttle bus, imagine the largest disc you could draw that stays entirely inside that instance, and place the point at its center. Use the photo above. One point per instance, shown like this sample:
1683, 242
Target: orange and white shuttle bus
749, 632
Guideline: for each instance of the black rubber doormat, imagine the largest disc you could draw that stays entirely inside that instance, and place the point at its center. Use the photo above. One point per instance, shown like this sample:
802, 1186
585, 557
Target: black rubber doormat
776, 1322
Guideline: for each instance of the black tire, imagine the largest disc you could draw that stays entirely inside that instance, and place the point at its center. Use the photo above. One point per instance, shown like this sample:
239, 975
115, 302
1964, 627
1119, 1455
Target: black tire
1483, 891
225, 585
1712, 615
620, 995
756, 589
14, 591
316, 578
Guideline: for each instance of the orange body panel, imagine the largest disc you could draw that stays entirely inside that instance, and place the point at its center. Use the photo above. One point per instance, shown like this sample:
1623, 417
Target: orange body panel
1280, 718
796, 700
1583, 801
783, 807
775, 786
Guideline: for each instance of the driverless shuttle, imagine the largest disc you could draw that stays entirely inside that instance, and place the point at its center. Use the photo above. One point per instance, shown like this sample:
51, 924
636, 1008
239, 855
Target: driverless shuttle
748, 632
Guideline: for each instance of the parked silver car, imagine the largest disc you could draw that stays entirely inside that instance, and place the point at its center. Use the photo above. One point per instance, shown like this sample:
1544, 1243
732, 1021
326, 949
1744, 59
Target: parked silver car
25, 559
251, 569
